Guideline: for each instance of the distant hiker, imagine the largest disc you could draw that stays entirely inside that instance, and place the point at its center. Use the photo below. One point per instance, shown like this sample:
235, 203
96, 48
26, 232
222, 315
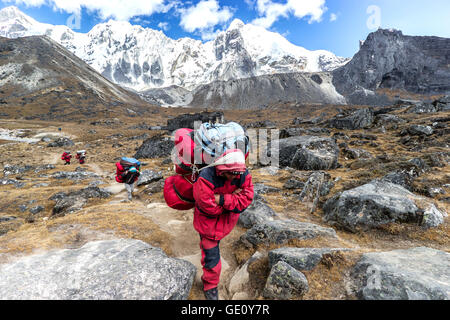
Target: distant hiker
128, 172
222, 191
81, 156
66, 156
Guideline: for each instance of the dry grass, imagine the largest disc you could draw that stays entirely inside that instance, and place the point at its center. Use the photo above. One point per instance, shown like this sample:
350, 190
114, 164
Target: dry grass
102, 220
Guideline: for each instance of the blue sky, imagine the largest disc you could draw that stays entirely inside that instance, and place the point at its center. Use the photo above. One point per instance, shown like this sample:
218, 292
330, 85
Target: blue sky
334, 25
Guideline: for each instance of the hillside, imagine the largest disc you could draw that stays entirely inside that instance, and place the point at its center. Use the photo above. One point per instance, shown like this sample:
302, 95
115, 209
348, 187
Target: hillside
40, 79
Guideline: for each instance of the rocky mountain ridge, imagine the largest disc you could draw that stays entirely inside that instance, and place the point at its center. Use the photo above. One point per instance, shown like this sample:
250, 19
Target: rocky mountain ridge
387, 60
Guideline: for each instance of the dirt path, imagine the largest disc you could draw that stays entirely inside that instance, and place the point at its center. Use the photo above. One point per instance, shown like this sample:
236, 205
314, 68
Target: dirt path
185, 245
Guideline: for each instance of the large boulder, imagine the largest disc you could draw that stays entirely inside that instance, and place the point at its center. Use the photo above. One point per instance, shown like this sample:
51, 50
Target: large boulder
157, 146
122, 269
378, 203
308, 153
360, 119
419, 130
281, 231
258, 212
412, 274
188, 120
148, 176
61, 142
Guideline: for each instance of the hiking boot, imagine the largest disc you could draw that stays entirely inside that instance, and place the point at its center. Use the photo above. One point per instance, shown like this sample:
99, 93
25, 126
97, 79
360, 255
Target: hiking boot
212, 294
130, 197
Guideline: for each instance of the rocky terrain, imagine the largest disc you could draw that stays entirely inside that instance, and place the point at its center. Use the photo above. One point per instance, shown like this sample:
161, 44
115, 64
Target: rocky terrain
358, 208
355, 207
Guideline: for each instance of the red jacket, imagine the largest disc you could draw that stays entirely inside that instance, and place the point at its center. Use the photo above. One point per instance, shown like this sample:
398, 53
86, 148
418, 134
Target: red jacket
121, 173
66, 157
215, 221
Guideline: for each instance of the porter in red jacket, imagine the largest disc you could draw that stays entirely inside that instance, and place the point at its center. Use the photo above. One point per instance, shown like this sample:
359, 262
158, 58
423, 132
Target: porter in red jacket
221, 193
66, 156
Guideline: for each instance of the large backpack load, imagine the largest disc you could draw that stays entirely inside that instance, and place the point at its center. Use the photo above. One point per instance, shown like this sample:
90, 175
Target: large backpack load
195, 150
81, 156
215, 139
128, 170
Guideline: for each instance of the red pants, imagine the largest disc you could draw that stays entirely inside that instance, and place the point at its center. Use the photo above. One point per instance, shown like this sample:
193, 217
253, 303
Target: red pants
211, 263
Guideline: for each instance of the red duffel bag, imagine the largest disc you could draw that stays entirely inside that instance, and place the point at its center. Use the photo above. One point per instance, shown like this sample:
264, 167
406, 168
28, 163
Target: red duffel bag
183, 153
178, 192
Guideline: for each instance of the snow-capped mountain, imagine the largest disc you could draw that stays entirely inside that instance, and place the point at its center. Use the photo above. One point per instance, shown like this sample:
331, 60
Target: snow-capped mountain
142, 58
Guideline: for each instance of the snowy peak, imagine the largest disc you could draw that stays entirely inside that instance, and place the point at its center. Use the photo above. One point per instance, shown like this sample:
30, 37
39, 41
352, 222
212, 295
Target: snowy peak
143, 58
13, 12
236, 24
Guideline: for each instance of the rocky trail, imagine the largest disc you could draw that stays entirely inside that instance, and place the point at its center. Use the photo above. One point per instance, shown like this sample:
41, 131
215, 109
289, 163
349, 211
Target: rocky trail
357, 193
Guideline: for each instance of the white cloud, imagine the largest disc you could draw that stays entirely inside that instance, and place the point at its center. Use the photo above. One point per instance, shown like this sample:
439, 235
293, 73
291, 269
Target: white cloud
117, 9
270, 11
204, 17
333, 17
250, 3
163, 25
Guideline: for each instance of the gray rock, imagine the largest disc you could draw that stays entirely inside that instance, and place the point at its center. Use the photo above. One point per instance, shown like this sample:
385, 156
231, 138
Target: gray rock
9, 169
76, 200
291, 132
69, 205
359, 119
419, 130
75, 176
293, 184
155, 187
260, 188
44, 167
281, 231
122, 269
188, 120
284, 283
7, 218
258, 212
318, 185
423, 107
412, 274
148, 176
357, 153
384, 119
300, 258
402, 178
16, 183
155, 147
433, 192
36, 209
308, 153
378, 203
443, 100
61, 142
